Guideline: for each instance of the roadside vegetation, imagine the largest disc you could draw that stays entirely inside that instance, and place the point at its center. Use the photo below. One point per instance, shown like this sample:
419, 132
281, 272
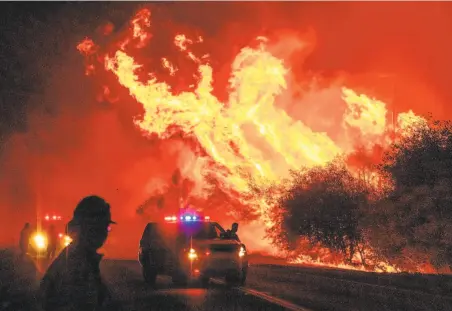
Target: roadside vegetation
392, 212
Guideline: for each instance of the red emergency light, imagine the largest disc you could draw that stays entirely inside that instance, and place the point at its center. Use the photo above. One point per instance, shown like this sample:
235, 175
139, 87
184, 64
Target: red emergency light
54, 217
170, 218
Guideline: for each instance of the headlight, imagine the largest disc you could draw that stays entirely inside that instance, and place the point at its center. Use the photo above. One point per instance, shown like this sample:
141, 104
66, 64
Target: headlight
40, 241
67, 240
192, 254
242, 251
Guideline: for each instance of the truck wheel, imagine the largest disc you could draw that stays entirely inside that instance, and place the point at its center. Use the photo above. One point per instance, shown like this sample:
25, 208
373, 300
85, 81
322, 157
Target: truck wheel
150, 275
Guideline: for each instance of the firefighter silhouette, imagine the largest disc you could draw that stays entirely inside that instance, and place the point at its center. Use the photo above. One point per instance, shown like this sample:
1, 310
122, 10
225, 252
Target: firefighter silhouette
25, 234
52, 242
73, 280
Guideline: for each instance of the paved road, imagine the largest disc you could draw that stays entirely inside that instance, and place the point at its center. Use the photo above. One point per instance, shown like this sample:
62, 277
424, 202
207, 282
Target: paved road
311, 289
125, 281
19, 279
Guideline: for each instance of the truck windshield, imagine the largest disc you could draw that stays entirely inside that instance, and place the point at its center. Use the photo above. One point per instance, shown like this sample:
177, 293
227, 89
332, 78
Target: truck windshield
198, 231
179, 234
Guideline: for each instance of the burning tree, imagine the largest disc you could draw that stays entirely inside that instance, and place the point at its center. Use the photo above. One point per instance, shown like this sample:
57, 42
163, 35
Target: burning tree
413, 225
324, 205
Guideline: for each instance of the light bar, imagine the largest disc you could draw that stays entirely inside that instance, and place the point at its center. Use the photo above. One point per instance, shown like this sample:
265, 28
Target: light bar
170, 218
187, 218
54, 217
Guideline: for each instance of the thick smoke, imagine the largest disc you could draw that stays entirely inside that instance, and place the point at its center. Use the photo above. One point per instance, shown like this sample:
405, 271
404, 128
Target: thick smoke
78, 143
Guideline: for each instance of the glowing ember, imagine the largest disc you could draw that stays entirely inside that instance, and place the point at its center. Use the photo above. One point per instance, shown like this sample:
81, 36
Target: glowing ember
385, 268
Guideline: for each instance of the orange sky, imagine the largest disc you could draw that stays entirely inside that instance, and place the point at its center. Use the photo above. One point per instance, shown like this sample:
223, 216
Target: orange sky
86, 147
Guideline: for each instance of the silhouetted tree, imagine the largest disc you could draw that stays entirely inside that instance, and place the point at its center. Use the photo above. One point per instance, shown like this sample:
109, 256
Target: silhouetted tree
324, 205
413, 225
421, 158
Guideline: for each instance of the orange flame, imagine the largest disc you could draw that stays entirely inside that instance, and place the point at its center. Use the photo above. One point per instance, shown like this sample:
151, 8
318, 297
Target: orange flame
248, 135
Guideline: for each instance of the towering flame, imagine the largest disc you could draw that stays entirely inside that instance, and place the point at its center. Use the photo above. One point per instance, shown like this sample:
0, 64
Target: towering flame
246, 136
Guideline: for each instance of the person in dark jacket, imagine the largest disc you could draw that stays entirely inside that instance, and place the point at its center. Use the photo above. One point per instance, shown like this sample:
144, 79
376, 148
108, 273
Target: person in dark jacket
73, 281
52, 237
25, 239
232, 233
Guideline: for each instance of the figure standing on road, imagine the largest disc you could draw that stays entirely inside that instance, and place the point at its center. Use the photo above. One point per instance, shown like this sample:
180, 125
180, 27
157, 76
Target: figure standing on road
52, 242
73, 280
25, 239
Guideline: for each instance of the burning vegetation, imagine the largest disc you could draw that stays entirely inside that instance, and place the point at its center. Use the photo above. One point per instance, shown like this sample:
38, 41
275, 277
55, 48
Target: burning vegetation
244, 147
319, 164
